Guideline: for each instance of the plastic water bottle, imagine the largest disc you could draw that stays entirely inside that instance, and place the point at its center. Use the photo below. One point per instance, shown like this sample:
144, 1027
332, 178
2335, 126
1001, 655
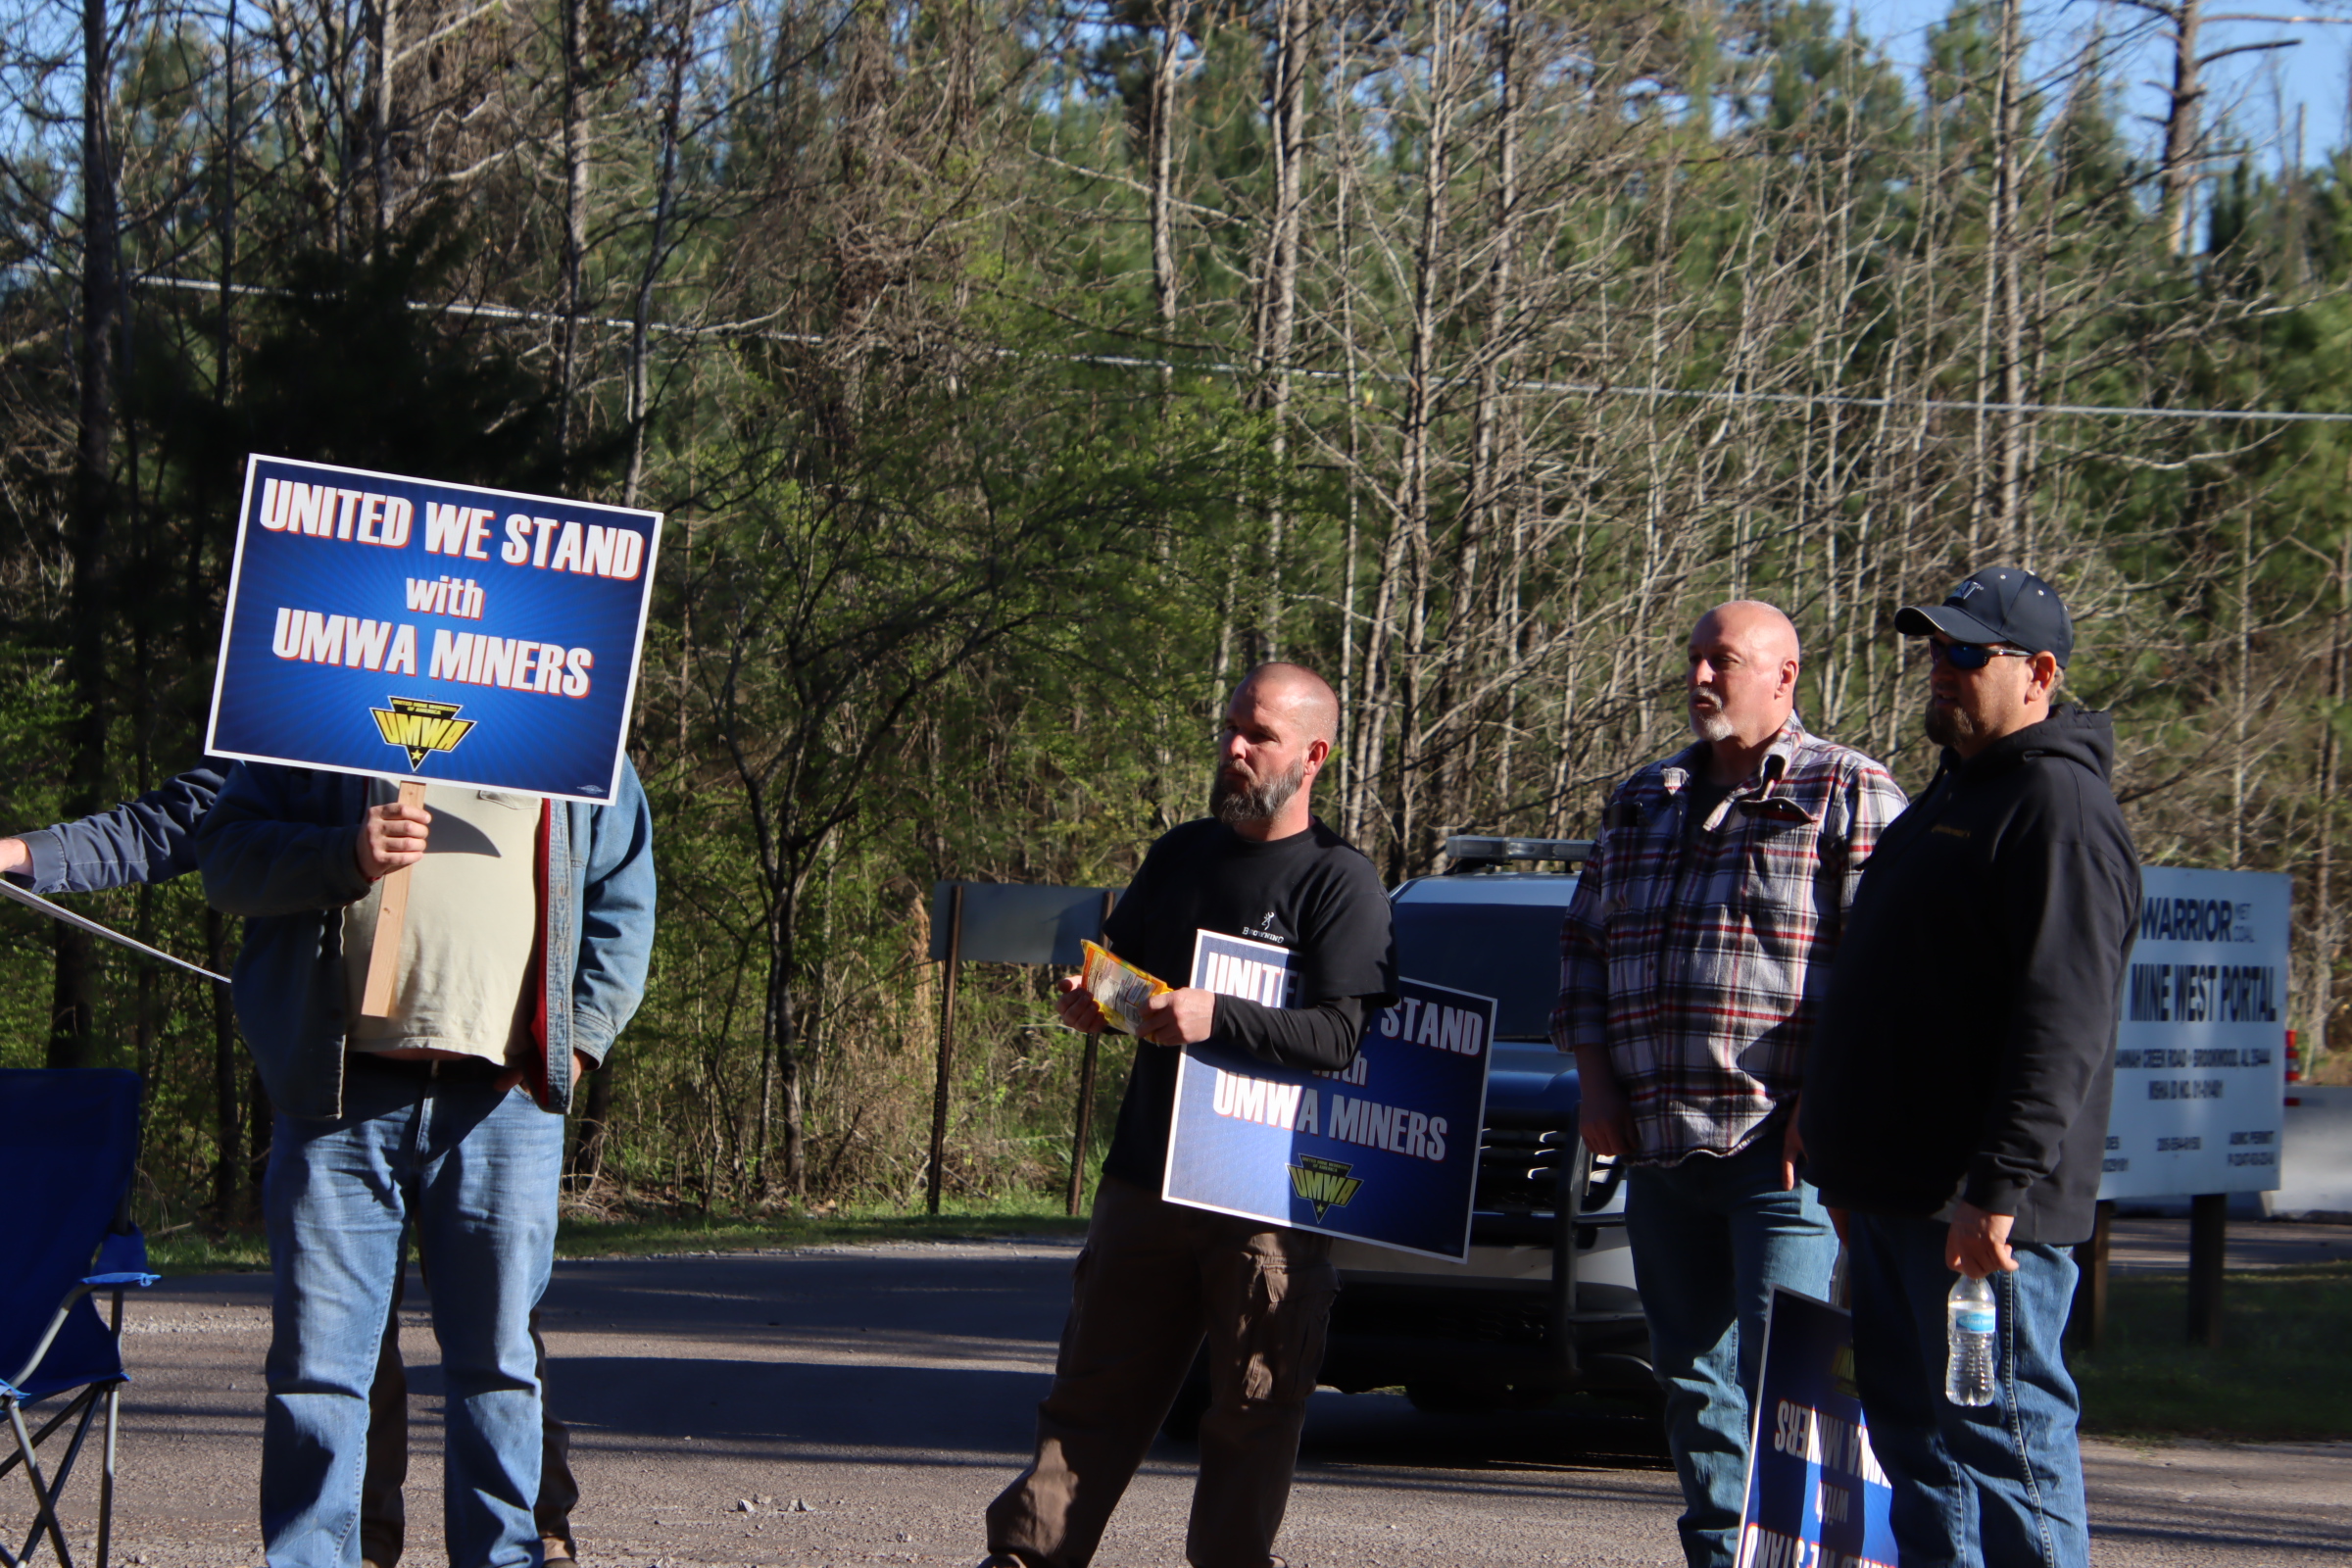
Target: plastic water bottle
1968, 1342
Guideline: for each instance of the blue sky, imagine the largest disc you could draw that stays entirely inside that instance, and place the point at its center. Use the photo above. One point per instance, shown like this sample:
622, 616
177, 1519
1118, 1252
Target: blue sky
2249, 88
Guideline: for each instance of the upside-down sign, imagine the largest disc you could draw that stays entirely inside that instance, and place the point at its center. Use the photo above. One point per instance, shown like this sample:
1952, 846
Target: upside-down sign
391, 625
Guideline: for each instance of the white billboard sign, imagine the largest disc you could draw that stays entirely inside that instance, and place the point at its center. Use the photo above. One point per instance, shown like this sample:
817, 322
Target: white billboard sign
2200, 1056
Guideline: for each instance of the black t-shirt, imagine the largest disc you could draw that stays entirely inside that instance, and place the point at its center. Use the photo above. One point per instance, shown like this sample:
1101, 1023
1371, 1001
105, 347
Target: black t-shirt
1311, 892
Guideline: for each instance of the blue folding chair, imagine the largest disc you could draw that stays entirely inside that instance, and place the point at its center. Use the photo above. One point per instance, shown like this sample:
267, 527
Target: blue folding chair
69, 1143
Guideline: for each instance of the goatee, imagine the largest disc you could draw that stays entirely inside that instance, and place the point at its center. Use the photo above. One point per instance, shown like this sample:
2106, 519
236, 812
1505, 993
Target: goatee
1949, 725
1710, 724
1232, 804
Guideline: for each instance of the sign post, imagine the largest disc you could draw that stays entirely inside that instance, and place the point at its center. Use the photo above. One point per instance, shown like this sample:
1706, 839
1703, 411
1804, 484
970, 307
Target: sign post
1086, 1094
947, 1042
1009, 922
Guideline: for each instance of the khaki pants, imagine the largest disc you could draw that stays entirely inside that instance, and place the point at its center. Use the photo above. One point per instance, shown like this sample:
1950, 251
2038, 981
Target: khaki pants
1154, 1280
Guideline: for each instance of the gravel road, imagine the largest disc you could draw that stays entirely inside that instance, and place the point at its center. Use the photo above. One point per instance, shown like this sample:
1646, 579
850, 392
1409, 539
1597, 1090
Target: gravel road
859, 1405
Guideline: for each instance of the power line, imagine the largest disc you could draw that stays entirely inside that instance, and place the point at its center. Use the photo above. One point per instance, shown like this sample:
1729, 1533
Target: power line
1591, 389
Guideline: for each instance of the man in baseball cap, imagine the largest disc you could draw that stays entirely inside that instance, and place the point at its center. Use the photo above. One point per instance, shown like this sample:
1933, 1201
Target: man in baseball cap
1999, 605
1956, 1090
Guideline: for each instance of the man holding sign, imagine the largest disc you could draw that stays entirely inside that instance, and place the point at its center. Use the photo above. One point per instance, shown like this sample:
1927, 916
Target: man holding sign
1155, 1278
523, 952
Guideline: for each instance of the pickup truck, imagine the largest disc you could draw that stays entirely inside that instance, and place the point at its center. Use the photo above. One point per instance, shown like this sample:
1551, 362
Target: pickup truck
1546, 1306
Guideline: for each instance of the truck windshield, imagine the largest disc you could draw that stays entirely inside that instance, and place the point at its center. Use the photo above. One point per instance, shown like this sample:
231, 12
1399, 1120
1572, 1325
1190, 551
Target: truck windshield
1508, 951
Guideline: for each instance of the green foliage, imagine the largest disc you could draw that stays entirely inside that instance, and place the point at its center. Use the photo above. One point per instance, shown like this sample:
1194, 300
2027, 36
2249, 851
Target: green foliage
2283, 1334
1595, 315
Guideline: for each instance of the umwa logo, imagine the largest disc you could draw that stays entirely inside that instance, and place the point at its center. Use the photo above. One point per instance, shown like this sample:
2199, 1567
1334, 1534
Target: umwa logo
1324, 1183
419, 729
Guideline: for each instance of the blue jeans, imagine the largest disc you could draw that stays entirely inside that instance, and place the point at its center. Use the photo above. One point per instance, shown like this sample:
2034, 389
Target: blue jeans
474, 1174
1996, 1485
1711, 1238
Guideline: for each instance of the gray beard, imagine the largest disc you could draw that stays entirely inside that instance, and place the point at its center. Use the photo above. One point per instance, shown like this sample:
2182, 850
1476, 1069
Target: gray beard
1710, 725
1948, 726
1255, 803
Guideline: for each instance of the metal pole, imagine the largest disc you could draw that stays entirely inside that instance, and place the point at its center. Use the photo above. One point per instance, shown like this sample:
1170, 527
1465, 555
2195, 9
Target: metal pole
2208, 1237
106, 1477
2086, 1326
1086, 1089
1568, 1198
1086, 1108
947, 1038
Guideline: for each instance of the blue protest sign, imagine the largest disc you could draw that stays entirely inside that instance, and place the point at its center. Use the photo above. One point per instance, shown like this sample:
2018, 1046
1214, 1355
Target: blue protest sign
1815, 1497
399, 626
1385, 1152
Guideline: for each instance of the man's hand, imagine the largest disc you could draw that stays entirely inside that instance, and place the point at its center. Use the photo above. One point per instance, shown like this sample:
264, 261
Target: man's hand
1604, 1116
391, 837
1077, 1006
1183, 1018
1836, 1222
1792, 1152
13, 856
1979, 1242
513, 1075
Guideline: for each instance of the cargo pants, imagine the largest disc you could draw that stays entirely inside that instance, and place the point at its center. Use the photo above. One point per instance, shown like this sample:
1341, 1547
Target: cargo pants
1154, 1280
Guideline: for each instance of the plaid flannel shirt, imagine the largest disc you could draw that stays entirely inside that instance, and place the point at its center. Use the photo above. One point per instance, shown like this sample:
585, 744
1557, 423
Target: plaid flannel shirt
1698, 957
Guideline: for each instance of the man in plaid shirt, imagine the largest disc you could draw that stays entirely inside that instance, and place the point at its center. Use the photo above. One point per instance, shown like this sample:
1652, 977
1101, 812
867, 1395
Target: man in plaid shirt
1692, 963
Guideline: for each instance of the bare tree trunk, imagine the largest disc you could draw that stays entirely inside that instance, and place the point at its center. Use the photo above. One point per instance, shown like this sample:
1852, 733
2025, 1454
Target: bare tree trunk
2325, 925
71, 1023
1162, 150
383, 44
2009, 350
674, 97
230, 1128
1417, 433
1465, 648
1294, 23
1352, 780
575, 208
2182, 130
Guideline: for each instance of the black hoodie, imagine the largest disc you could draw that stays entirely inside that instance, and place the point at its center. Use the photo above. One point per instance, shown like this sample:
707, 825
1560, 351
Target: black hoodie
1966, 1045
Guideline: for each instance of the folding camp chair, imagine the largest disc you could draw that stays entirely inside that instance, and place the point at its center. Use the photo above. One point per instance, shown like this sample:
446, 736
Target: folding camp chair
68, 1142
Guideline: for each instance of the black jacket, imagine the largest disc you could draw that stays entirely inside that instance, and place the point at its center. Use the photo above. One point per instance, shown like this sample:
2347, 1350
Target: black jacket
1967, 1045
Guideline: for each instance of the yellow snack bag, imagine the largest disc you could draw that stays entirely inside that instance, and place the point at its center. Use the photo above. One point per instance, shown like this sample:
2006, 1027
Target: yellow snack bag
1119, 989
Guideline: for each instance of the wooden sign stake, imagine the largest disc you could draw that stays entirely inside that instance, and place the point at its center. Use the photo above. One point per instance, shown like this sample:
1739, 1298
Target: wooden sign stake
383, 959
947, 1042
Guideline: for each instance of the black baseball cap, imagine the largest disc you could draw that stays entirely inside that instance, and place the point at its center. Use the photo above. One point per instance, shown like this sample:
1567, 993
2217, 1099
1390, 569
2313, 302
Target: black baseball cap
1999, 605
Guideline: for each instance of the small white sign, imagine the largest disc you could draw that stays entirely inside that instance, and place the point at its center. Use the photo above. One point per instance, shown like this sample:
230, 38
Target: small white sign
2200, 1059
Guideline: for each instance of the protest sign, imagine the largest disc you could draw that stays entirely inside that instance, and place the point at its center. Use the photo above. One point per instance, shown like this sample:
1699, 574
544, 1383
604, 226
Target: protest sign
399, 626
1384, 1150
2200, 1060
1815, 1497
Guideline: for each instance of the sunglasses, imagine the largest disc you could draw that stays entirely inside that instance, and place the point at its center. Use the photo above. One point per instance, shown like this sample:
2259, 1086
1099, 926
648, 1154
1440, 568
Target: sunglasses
1973, 656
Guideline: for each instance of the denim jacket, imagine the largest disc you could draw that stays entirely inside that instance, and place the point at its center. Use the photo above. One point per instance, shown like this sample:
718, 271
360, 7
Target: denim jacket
152, 839
281, 847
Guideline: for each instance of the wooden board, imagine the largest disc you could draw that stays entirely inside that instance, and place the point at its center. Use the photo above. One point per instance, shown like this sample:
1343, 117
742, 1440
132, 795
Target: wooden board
383, 959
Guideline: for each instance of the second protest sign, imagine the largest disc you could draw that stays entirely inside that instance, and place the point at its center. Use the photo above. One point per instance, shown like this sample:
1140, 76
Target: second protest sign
1384, 1151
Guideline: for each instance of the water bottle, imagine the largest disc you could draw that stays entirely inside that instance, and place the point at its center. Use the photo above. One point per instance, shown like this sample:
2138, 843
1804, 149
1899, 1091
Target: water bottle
1968, 1342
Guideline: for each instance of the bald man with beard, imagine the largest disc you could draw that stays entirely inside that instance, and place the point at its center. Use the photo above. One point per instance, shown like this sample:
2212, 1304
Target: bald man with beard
1692, 963
1156, 1279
